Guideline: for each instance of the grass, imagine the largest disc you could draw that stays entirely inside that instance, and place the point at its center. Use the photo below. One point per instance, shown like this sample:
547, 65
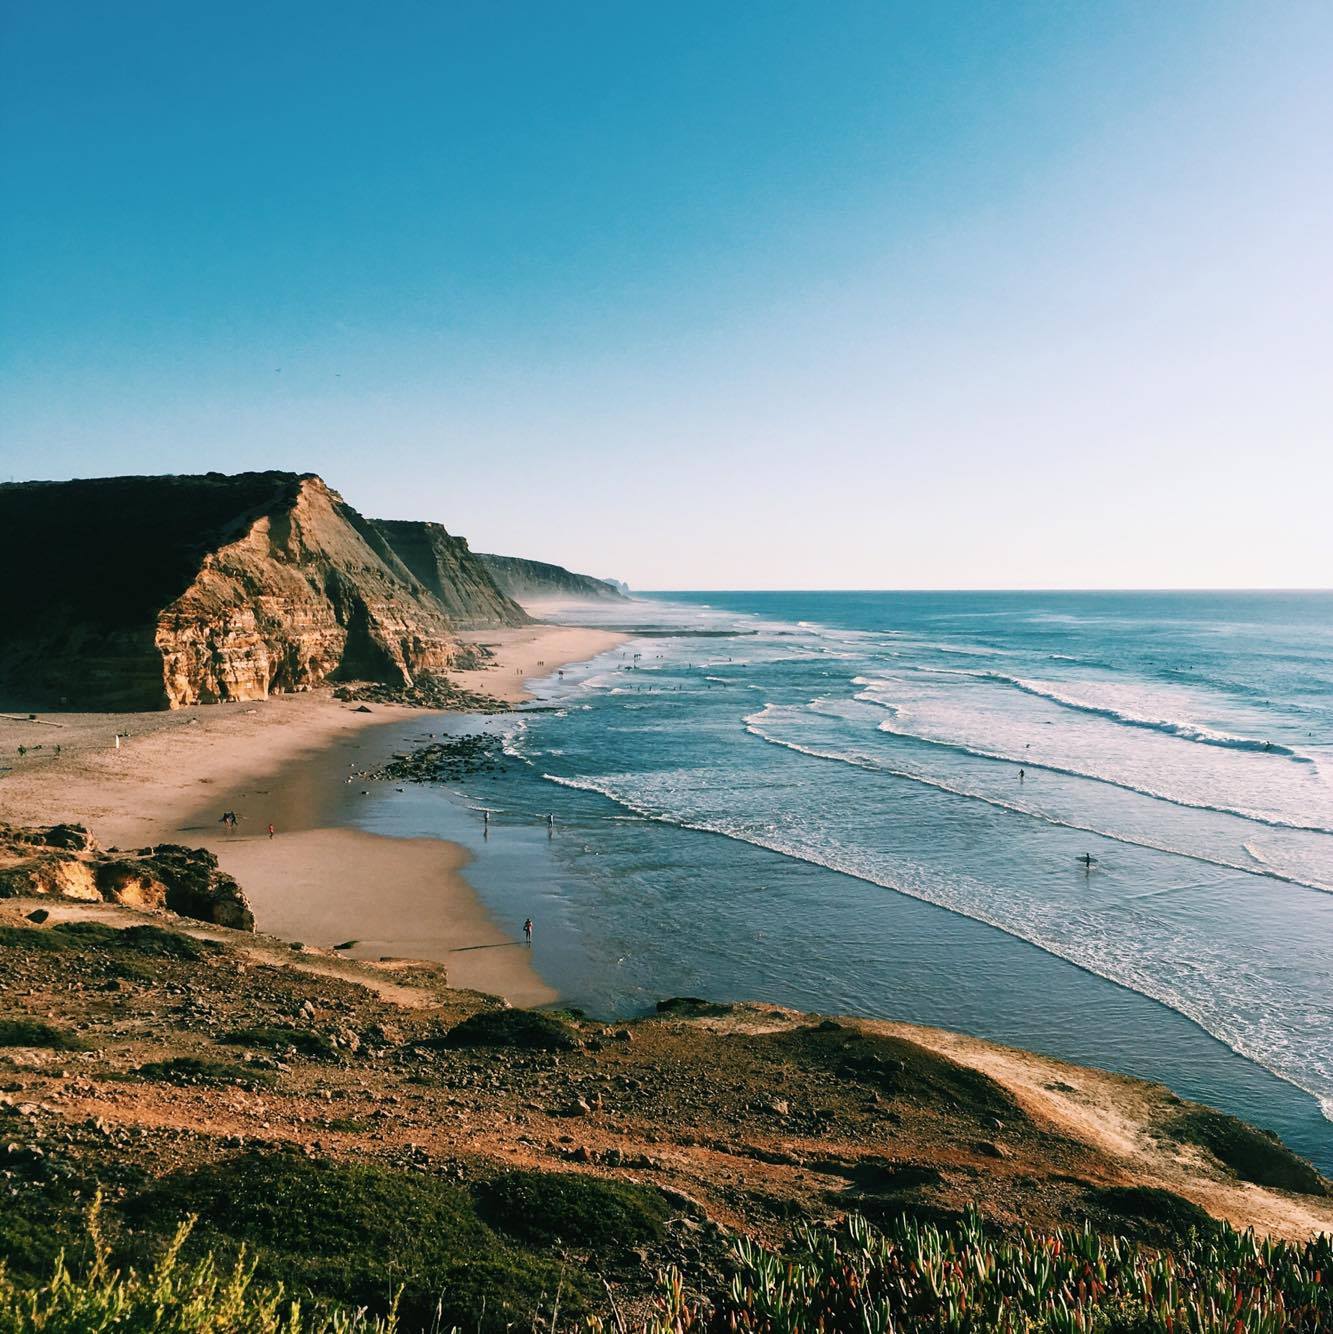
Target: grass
585, 1212
144, 940
1147, 1213
354, 1234
172, 1297
192, 1070
691, 1007
34, 1033
529, 1030
276, 1243
278, 1038
1253, 1155
44, 1201
962, 1279
896, 1067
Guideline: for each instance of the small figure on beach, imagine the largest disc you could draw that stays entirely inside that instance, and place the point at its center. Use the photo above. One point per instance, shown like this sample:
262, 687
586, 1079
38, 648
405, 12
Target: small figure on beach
271, 830
550, 819
527, 930
229, 820
485, 817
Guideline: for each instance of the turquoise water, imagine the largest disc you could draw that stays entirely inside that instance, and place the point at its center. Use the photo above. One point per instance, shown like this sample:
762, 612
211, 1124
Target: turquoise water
816, 799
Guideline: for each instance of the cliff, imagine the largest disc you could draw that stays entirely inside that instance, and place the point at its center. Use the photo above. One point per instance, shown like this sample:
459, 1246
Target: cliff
63, 862
535, 580
458, 579
144, 592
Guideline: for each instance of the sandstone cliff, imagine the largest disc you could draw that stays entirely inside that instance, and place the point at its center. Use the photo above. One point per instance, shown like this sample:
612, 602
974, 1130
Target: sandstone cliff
62, 861
457, 578
140, 592
535, 580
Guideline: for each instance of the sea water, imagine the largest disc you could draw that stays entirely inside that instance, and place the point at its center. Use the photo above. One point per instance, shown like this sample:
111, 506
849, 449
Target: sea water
1098, 825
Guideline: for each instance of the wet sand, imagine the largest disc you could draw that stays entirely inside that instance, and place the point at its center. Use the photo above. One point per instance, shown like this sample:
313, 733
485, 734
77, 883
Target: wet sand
285, 760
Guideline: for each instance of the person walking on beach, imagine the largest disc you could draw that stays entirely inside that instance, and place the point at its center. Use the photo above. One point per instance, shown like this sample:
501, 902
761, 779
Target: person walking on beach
527, 931
271, 830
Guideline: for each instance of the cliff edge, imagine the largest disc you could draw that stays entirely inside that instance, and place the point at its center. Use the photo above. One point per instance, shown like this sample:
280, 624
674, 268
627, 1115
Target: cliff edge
149, 592
448, 569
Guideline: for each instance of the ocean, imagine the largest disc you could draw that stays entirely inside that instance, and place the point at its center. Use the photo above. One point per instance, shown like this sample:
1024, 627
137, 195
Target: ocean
1097, 825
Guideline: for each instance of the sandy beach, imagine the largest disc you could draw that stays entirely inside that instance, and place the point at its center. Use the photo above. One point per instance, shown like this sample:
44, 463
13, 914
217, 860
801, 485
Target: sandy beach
284, 760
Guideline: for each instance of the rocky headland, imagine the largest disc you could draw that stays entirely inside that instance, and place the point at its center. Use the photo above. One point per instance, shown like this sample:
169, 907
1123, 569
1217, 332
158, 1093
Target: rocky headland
138, 593
63, 862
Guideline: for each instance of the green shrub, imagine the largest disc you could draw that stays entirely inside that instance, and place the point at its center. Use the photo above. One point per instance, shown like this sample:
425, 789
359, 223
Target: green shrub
151, 940
191, 1070
173, 1297
355, 1234
896, 1067
585, 1212
278, 1038
84, 933
34, 1033
1146, 1213
1252, 1154
966, 1280
165, 944
530, 1030
49, 940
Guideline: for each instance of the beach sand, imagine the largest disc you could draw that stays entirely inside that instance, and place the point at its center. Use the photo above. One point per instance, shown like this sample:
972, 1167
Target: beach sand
286, 760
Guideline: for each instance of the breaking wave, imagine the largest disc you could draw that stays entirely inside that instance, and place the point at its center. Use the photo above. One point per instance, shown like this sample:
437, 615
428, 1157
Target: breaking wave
1266, 870
1256, 817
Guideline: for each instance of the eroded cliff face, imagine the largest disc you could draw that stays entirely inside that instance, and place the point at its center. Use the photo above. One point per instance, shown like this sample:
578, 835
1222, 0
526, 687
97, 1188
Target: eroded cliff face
144, 592
449, 570
63, 861
309, 593
535, 580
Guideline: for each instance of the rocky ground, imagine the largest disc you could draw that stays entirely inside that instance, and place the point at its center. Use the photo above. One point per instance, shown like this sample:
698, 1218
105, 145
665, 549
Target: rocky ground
177, 1065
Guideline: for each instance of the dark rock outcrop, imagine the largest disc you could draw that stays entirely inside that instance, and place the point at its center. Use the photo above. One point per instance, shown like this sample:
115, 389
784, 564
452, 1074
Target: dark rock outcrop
451, 573
63, 861
535, 580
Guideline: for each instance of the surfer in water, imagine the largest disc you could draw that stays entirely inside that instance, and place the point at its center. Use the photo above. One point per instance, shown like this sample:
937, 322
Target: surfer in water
1086, 859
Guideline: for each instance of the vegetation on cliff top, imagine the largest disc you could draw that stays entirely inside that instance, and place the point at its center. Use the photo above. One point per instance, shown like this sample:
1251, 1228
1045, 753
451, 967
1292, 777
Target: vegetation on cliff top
958, 1279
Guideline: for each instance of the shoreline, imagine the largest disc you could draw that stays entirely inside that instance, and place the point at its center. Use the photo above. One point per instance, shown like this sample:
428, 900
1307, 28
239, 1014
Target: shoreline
285, 760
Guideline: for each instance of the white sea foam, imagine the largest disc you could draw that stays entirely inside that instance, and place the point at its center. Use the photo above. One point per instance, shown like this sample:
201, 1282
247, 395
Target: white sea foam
754, 724
1187, 731
1060, 694
1258, 817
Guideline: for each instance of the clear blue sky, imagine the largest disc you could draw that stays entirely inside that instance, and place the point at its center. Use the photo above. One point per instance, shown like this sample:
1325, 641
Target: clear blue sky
698, 295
